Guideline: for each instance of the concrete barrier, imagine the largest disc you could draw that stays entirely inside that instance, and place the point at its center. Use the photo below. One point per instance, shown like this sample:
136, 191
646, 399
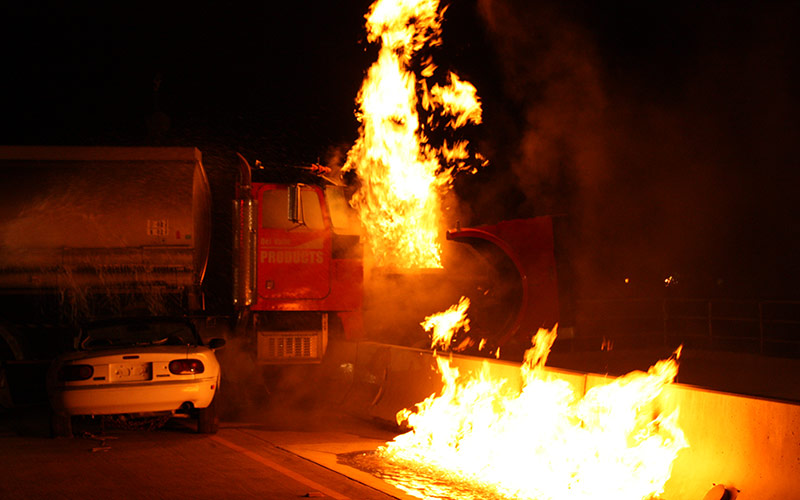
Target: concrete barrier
750, 445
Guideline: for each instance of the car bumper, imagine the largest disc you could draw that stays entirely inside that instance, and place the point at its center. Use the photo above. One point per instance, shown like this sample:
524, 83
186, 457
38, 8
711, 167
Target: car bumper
132, 398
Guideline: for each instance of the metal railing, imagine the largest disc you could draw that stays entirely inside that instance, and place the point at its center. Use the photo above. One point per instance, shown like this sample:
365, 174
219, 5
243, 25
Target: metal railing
769, 327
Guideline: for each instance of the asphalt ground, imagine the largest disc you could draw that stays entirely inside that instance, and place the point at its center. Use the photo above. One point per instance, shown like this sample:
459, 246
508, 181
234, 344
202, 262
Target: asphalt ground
244, 460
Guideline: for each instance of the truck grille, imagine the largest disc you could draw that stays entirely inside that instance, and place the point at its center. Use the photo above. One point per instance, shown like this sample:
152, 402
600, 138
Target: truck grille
288, 347
284, 347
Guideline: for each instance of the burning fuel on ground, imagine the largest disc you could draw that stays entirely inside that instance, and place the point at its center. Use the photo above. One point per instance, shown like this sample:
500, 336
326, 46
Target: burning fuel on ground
538, 438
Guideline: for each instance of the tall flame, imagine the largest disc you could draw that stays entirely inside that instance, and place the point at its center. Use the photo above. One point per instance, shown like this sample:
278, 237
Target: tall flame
545, 441
402, 174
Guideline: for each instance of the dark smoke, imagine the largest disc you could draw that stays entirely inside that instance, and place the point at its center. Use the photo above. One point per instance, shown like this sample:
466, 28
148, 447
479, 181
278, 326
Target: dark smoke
665, 134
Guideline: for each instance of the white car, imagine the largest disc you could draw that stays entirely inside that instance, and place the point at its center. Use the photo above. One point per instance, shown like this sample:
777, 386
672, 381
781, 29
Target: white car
141, 366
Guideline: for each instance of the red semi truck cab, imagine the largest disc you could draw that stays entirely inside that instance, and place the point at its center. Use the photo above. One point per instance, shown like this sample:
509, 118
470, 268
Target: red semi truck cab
297, 263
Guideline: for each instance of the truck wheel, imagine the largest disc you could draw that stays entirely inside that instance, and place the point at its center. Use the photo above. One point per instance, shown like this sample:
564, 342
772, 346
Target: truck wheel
207, 420
60, 425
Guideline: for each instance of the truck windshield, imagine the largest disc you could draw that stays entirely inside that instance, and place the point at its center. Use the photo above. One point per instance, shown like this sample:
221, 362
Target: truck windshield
275, 205
343, 217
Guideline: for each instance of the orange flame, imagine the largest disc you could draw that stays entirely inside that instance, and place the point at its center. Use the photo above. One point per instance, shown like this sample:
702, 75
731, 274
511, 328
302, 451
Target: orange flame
446, 324
545, 440
402, 175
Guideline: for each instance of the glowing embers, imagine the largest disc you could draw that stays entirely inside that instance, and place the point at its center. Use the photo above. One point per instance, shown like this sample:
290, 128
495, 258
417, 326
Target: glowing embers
542, 439
402, 173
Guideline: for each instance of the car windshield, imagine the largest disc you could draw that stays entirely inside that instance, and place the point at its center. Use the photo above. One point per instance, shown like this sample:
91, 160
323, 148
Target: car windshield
139, 333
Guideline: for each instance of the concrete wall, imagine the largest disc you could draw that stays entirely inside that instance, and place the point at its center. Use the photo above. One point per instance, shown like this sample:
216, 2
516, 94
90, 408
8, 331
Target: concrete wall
748, 444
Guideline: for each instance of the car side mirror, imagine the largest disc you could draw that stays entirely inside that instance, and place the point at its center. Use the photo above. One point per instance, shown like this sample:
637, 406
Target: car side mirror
215, 344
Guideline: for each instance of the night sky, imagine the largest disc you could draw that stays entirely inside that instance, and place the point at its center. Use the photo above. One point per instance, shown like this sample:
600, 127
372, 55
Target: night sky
665, 134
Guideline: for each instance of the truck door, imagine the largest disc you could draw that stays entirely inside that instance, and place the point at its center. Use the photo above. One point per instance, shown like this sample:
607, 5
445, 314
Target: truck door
293, 257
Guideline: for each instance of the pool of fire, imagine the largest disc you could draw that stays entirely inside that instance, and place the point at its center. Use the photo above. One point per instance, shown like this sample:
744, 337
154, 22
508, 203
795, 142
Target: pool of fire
418, 480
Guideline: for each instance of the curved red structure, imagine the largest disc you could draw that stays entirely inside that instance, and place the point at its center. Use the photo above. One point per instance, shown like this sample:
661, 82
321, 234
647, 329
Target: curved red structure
527, 247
